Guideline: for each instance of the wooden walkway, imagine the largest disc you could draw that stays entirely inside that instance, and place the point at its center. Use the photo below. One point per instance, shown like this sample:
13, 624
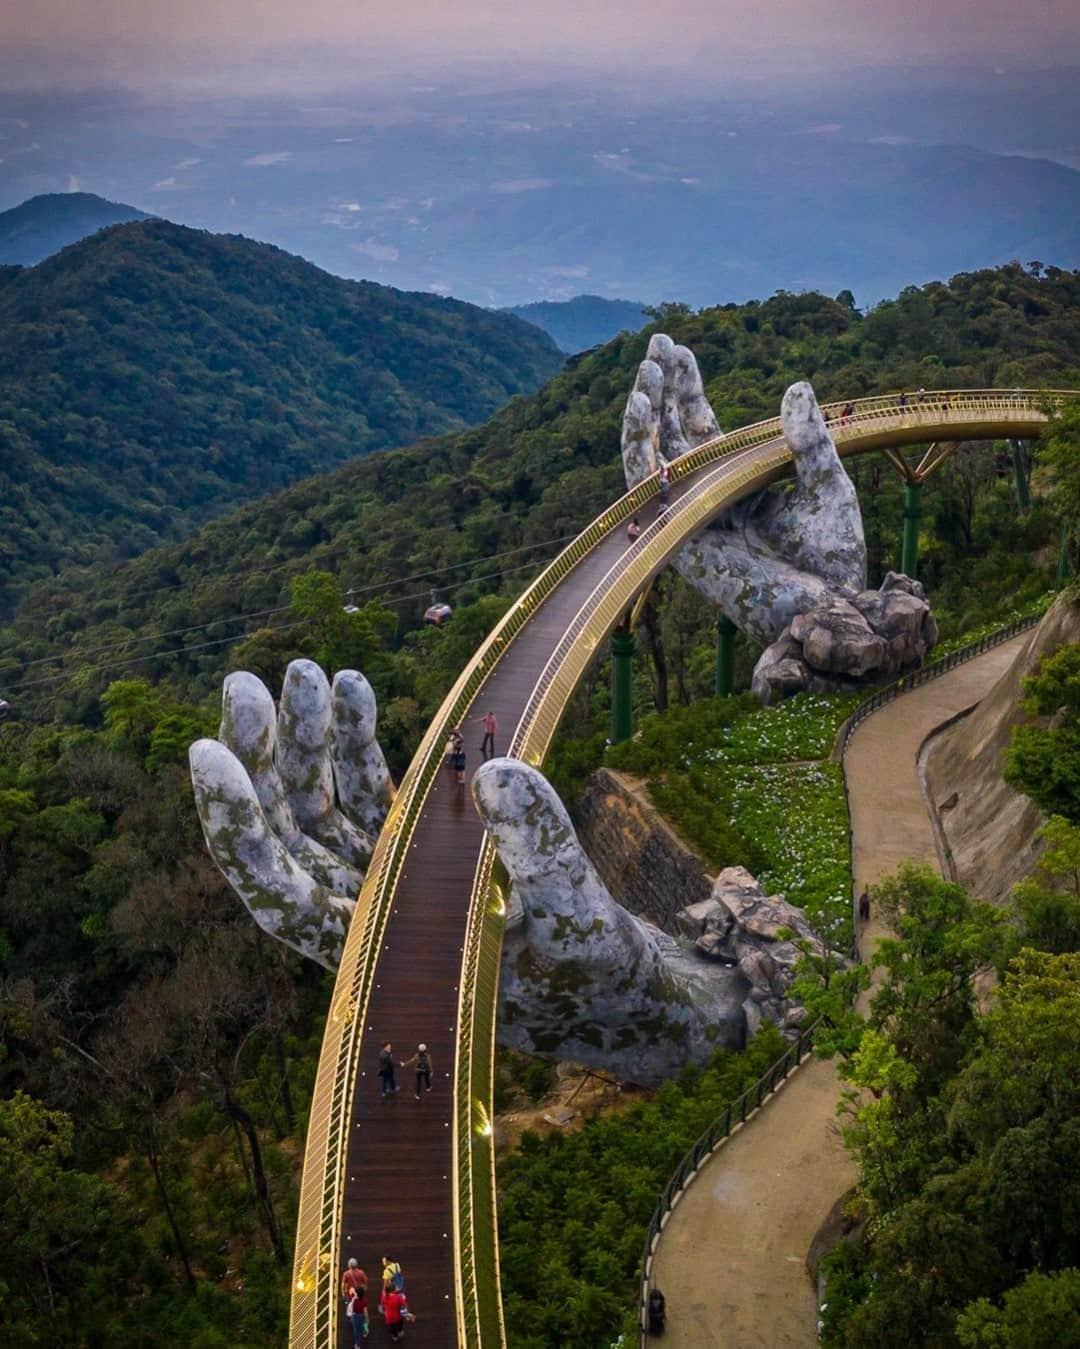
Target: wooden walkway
398, 1192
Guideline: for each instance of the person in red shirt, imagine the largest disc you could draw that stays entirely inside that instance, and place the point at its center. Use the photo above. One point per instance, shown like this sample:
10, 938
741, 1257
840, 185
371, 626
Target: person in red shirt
395, 1312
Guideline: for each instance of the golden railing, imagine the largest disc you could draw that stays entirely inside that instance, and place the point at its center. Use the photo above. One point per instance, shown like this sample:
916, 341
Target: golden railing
742, 462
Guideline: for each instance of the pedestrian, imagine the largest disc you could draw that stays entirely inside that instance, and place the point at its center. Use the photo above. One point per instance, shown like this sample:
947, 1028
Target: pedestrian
490, 725
386, 1070
457, 743
633, 529
422, 1059
665, 482
353, 1278
393, 1281
903, 400
396, 1313
356, 1311
661, 512
458, 760
864, 906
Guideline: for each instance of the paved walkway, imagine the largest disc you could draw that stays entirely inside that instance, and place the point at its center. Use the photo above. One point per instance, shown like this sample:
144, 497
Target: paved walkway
731, 1260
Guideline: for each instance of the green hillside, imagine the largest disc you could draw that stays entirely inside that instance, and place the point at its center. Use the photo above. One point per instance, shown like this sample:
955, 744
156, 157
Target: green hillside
158, 1054
153, 377
536, 472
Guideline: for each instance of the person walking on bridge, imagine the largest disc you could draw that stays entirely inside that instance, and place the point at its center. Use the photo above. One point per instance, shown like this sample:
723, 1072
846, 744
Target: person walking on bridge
422, 1059
491, 725
354, 1291
386, 1070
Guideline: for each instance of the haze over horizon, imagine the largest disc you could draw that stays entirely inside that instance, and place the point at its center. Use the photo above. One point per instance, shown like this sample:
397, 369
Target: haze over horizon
699, 151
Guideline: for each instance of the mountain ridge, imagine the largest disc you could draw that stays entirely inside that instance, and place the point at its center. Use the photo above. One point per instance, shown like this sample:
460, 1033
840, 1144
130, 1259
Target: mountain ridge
42, 225
152, 377
582, 322
442, 511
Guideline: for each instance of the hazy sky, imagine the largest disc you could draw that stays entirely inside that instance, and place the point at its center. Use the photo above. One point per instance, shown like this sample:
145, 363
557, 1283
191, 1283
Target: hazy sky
308, 42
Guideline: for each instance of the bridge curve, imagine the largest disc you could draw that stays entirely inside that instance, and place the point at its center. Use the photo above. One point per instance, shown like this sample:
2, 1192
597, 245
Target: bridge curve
415, 1180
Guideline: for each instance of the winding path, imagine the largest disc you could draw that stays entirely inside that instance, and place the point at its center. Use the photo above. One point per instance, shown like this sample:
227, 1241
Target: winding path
731, 1259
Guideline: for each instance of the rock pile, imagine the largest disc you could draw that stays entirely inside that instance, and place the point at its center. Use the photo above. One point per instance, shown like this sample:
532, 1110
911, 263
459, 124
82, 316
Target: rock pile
842, 642
741, 926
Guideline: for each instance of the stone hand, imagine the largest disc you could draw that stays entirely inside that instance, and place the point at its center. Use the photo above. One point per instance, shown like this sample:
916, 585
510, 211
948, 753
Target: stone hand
581, 976
290, 801
786, 552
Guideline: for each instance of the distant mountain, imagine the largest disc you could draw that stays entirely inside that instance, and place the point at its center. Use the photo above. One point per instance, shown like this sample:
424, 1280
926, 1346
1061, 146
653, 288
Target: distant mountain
153, 377
539, 470
43, 225
583, 322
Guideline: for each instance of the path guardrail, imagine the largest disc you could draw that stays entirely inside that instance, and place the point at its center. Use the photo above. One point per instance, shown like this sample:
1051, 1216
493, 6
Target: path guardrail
740, 1110
735, 1115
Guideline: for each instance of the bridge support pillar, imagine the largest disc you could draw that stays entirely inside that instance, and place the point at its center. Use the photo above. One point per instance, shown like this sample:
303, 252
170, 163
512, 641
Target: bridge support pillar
1023, 491
622, 680
909, 559
1063, 557
725, 656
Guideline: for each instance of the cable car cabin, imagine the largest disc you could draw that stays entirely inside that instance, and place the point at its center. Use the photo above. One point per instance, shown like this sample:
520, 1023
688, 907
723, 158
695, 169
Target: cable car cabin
438, 614
5, 708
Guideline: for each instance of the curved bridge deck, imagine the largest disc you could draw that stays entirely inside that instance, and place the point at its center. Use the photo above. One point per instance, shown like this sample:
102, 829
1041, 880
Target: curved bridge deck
415, 1179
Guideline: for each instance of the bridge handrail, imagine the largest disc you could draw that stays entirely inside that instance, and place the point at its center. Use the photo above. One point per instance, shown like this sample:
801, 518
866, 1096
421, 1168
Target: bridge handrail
314, 1303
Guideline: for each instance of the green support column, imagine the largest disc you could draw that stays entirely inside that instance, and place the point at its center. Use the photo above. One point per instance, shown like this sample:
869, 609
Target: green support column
1023, 493
1063, 557
622, 693
725, 656
909, 560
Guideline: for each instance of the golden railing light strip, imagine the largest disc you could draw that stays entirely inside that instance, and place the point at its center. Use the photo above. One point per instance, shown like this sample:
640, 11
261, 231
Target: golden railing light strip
741, 462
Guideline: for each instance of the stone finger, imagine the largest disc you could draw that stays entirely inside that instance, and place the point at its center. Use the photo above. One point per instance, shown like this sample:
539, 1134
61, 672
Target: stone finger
284, 899
818, 526
303, 759
696, 417
249, 730
364, 786
662, 352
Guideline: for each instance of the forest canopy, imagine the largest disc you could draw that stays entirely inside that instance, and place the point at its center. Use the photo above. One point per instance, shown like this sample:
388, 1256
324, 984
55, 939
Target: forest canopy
153, 377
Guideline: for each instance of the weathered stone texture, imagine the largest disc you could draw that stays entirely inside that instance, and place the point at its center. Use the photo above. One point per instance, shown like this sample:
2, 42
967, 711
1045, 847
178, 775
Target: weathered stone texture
639, 857
788, 556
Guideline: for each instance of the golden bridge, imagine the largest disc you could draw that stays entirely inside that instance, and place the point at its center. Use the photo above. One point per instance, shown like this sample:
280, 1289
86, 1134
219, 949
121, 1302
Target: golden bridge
416, 1180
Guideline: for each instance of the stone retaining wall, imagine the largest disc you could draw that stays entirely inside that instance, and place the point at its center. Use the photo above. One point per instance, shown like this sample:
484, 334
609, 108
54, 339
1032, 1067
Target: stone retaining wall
640, 858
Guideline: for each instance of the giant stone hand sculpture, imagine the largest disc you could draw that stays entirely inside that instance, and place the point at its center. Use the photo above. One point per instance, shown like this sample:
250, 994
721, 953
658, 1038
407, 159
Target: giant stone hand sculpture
788, 565
290, 801
291, 847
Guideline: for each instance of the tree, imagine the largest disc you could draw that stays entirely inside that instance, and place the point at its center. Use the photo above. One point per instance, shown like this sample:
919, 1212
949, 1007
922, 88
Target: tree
344, 641
1048, 903
50, 1214
1060, 449
1044, 1309
1043, 762
926, 1004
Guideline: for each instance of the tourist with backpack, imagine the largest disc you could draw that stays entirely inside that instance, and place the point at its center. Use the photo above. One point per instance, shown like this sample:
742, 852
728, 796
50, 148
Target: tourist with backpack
386, 1070
422, 1059
393, 1278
